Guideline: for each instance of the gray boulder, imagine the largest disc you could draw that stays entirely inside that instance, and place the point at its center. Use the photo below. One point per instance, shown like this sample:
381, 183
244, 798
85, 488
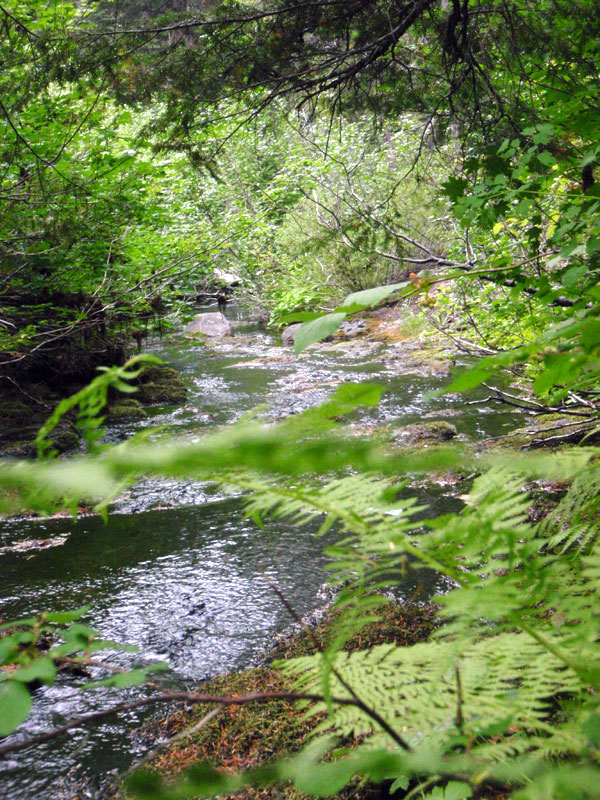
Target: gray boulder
289, 334
211, 324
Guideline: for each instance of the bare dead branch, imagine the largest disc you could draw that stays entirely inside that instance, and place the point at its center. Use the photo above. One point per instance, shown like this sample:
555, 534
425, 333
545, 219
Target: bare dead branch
185, 697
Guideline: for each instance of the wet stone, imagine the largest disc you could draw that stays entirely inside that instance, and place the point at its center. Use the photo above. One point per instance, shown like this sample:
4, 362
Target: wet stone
211, 324
160, 384
125, 410
426, 432
351, 328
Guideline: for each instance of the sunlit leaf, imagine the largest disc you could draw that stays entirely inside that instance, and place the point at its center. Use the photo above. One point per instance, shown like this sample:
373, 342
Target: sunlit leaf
316, 331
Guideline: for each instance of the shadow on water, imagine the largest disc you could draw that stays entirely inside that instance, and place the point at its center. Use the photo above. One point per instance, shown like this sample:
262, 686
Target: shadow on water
179, 571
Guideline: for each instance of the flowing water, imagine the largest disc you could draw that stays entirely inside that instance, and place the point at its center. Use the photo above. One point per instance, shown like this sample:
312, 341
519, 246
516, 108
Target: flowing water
178, 571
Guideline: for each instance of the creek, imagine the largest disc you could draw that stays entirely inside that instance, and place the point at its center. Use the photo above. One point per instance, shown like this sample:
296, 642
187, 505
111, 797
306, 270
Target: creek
178, 570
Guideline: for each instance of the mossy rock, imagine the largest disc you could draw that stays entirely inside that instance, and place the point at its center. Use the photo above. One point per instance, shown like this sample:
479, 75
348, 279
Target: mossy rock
14, 412
426, 433
421, 357
153, 394
64, 438
20, 443
128, 409
158, 373
22, 448
160, 385
435, 358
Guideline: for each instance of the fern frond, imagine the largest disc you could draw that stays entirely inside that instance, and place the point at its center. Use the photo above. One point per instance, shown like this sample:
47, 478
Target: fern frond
507, 686
575, 522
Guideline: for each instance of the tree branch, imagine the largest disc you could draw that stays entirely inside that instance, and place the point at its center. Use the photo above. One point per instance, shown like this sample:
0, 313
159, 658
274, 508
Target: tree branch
187, 697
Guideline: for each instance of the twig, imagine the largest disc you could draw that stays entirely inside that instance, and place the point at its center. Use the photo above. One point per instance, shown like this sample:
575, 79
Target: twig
532, 405
19, 23
566, 437
459, 699
184, 697
185, 734
26, 394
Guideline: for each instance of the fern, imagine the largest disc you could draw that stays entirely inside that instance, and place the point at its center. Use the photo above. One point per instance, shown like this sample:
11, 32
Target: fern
573, 522
442, 692
521, 631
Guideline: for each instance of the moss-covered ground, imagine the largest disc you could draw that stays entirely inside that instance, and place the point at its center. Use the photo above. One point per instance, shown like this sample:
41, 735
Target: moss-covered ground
242, 737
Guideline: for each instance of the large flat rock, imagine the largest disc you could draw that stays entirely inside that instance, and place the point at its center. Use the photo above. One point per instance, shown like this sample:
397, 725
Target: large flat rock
210, 324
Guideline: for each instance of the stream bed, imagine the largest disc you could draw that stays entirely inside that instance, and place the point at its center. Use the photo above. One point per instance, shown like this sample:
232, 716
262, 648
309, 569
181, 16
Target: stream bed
177, 570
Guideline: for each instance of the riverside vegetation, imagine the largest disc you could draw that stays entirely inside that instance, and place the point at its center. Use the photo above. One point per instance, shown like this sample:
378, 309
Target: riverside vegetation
335, 157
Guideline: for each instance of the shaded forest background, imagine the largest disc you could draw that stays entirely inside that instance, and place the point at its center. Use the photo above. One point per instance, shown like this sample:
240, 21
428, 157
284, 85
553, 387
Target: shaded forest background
309, 150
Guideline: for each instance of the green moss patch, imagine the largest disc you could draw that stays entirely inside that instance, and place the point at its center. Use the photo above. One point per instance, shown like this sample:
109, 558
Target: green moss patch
125, 410
160, 385
425, 433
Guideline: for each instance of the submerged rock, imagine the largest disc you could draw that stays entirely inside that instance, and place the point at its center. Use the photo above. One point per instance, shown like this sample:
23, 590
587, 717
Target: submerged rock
212, 323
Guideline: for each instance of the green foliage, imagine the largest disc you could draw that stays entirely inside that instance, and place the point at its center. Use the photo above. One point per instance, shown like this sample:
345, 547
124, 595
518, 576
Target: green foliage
507, 686
511, 677
317, 330
306, 211
33, 650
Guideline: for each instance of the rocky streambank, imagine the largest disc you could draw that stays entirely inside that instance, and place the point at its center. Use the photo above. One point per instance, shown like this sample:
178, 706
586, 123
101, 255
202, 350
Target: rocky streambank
24, 409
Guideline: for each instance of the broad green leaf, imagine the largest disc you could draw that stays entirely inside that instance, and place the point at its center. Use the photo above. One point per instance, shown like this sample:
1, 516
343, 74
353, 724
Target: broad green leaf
370, 297
399, 783
454, 188
15, 703
454, 790
42, 669
67, 616
468, 379
590, 335
300, 316
8, 646
316, 331
325, 780
572, 277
